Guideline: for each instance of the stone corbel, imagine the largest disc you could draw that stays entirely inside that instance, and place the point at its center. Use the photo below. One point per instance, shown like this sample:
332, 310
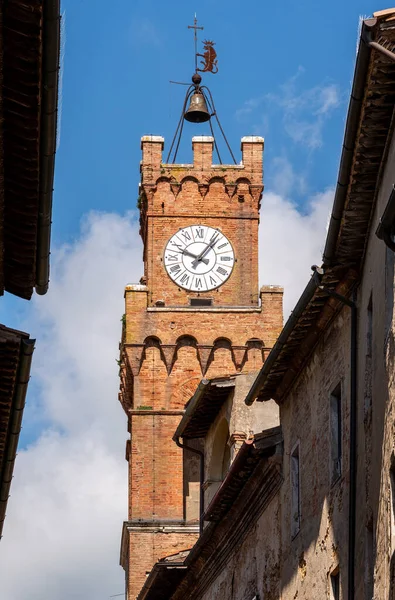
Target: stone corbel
256, 191
239, 355
203, 189
169, 354
135, 356
175, 188
230, 189
149, 191
204, 356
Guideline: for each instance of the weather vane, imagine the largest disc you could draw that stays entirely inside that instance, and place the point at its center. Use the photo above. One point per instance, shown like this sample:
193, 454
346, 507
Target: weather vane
209, 62
201, 103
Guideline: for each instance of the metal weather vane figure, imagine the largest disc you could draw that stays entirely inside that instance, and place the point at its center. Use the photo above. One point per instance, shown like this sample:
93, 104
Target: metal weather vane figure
210, 62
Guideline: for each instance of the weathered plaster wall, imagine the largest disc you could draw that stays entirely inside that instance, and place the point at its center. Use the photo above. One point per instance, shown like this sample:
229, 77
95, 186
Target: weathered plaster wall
321, 544
255, 568
376, 408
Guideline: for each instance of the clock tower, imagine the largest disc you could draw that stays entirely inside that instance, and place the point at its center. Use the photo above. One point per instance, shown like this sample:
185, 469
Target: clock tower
197, 312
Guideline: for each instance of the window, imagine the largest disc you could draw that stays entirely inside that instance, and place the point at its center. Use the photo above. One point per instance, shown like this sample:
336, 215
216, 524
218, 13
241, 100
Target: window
335, 585
200, 301
369, 560
295, 491
392, 524
336, 433
369, 328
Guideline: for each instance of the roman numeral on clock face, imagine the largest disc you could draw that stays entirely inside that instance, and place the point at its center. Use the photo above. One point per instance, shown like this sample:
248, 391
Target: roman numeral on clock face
175, 269
221, 271
186, 236
199, 233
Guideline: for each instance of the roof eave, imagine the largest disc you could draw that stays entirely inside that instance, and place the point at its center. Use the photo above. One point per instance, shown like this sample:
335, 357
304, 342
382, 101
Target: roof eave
18, 404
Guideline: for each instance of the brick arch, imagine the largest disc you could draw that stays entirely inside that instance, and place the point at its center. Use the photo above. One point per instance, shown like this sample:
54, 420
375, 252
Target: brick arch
216, 179
152, 340
163, 179
189, 178
222, 342
221, 359
245, 180
254, 343
254, 359
186, 340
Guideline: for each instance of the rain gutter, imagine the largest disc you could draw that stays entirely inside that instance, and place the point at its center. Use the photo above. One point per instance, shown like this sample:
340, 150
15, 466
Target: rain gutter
18, 404
49, 115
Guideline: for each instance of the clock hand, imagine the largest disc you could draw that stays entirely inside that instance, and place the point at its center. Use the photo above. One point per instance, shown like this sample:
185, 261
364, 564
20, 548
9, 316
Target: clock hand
204, 252
187, 253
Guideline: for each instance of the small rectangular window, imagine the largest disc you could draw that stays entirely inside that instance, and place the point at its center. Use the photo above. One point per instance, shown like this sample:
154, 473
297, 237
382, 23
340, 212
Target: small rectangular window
335, 585
392, 499
336, 433
295, 491
369, 327
369, 560
201, 301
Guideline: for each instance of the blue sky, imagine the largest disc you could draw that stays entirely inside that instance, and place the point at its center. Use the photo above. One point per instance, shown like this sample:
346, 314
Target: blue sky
285, 73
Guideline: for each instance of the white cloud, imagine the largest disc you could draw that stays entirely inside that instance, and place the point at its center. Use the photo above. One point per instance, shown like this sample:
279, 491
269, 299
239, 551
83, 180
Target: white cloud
284, 179
291, 241
69, 495
304, 112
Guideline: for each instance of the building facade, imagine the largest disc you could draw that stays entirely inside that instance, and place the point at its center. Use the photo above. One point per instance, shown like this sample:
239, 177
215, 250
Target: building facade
197, 312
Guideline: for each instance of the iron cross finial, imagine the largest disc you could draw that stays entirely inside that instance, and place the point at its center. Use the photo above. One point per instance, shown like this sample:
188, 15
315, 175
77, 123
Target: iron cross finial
195, 27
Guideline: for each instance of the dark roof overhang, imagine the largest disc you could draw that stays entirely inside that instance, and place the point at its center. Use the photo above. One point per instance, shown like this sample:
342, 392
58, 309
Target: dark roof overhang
263, 445
29, 51
203, 407
164, 578
16, 350
368, 132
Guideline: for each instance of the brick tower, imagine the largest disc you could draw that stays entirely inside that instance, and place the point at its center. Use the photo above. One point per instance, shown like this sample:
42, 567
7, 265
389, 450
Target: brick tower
197, 312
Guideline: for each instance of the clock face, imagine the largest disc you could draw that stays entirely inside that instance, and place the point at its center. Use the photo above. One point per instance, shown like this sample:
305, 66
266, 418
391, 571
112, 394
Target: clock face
199, 258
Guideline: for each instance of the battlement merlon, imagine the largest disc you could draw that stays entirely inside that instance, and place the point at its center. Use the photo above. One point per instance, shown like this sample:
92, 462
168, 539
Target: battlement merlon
251, 166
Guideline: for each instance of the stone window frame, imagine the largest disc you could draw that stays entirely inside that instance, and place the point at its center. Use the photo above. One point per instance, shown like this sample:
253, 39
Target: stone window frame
336, 411
295, 487
334, 584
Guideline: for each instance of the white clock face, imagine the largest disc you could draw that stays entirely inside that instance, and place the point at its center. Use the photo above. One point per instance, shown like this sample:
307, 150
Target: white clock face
199, 258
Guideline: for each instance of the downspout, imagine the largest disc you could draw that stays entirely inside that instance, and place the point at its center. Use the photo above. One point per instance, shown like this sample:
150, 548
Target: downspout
353, 432
201, 491
18, 404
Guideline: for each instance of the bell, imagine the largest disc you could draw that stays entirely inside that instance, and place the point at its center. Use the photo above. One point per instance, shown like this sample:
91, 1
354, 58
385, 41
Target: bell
197, 111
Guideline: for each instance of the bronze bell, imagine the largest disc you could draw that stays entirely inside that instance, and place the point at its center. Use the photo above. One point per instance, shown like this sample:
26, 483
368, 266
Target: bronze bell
197, 111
